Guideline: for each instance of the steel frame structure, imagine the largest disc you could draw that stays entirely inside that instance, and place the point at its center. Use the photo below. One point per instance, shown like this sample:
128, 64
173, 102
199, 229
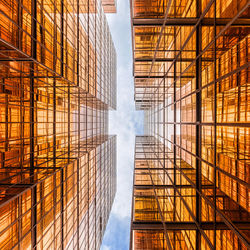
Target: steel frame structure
191, 72
58, 163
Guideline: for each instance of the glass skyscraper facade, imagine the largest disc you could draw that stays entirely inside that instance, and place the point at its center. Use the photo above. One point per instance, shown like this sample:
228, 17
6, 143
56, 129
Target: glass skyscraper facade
191, 77
57, 161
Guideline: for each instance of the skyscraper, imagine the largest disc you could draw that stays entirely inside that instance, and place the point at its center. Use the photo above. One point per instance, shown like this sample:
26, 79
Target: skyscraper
58, 163
191, 76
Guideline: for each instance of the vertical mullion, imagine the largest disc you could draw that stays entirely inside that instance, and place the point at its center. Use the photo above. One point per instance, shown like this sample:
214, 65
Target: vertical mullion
62, 34
19, 200
174, 146
198, 126
96, 114
32, 127
88, 154
62, 170
79, 124
62, 205
215, 126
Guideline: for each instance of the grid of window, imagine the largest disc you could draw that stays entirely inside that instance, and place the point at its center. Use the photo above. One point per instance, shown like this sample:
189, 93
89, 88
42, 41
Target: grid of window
191, 72
57, 162
109, 6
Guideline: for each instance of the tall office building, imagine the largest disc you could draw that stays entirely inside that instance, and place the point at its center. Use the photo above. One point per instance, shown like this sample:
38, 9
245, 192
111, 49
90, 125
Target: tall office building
191, 76
58, 163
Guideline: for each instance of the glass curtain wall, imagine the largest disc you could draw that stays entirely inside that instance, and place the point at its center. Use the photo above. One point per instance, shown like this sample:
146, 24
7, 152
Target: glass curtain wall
191, 76
57, 161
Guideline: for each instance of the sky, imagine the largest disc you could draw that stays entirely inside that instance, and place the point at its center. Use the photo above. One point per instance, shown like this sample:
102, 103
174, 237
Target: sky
125, 122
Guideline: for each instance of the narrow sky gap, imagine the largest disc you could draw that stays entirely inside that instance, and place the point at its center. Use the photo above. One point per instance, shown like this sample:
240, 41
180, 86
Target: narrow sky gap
125, 122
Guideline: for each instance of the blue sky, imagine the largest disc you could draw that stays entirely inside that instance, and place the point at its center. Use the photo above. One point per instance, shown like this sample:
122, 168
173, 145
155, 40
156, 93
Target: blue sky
125, 122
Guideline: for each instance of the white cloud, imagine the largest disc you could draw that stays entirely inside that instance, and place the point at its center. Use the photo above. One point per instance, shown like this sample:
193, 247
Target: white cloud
105, 247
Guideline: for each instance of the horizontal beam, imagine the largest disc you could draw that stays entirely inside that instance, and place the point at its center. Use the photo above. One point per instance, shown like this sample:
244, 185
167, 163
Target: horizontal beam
18, 59
168, 186
188, 21
171, 59
160, 77
186, 225
153, 77
149, 101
